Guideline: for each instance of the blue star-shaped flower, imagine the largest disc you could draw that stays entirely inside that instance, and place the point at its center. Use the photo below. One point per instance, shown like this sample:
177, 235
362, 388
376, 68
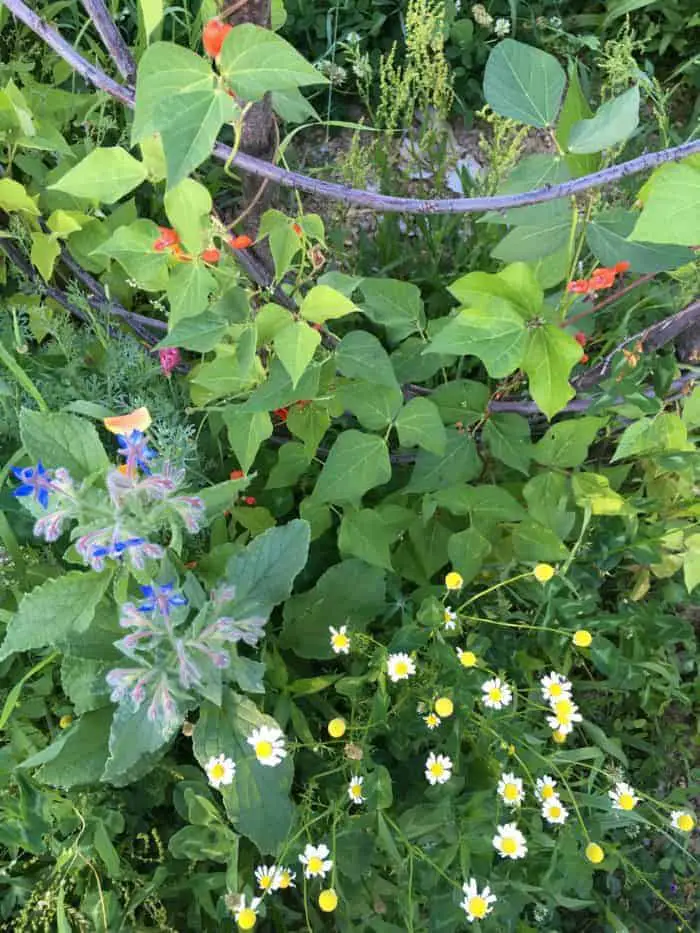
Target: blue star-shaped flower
161, 599
136, 450
34, 481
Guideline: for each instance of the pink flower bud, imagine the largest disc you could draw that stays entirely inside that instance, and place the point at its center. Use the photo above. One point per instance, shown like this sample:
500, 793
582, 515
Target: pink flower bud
169, 359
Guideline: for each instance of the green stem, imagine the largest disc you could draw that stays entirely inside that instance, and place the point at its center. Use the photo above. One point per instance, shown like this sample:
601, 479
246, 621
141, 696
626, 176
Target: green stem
22, 378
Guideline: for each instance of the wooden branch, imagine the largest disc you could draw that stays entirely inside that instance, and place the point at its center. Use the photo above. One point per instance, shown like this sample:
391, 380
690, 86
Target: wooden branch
111, 38
366, 199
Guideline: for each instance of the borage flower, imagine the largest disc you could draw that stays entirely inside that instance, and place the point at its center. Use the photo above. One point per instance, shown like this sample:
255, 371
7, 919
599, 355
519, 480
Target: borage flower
34, 482
134, 447
161, 599
476, 904
315, 861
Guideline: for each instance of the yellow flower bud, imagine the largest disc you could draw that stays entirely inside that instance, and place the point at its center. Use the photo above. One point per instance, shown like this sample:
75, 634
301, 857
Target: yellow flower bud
444, 707
467, 658
246, 919
65, 721
582, 638
454, 581
336, 728
594, 853
328, 900
543, 573
559, 737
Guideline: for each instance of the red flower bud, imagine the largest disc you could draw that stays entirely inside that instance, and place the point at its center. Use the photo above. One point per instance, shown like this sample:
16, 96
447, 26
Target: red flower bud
213, 36
584, 358
297, 229
236, 474
621, 267
281, 413
580, 337
250, 500
240, 242
212, 254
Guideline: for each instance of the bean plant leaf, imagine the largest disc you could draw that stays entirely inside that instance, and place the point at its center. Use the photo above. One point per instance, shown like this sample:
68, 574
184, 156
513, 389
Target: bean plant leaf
360, 355
295, 346
419, 424
51, 612
460, 463
132, 247
254, 61
45, 251
357, 463
59, 439
396, 306
323, 303
550, 356
363, 534
467, 550
613, 123
14, 197
105, 175
507, 436
671, 213
256, 791
188, 206
246, 432
189, 288
575, 109
607, 235
566, 444
524, 83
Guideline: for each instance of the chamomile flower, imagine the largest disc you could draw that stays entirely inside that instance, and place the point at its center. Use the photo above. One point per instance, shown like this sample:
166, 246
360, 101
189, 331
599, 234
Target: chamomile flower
340, 640
476, 904
510, 790
553, 811
400, 667
355, 789
438, 769
315, 861
432, 721
497, 694
454, 581
220, 770
246, 915
543, 573
555, 687
509, 842
565, 715
682, 820
623, 797
545, 788
449, 619
284, 878
269, 745
265, 876
467, 658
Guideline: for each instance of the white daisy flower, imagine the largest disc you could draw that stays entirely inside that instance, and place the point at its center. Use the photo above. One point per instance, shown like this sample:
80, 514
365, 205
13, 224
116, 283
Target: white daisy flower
565, 715
284, 878
315, 861
623, 797
497, 694
476, 904
683, 820
355, 789
509, 842
554, 811
220, 770
246, 915
340, 640
269, 745
265, 876
400, 667
510, 790
555, 687
545, 788
449, 618
501, 27
438, 768
432, 721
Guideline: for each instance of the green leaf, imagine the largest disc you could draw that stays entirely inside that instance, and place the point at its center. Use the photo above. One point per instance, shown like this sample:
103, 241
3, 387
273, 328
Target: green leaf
151, 15
188, 206
201, 333
45, 251
419, 424
246, 432
137, 741
532, 541
284, 241
254, 60
188, 127
292, 462
351, 593
485, 505
547, 496
550, 356
256, 791
607, 237
360, 355
363, 534
51, 612
575, 109
461, 400
374, 406
277, 391
613, 123
105, 175
508, 438
357, 463
530, 243
532, 172
202, 843
132, 247
13, 197
524, 83
62, 440
691, 562
295, 346
566, 444
691, 409
661, 434
396, 306
323, 303
189, 287
467, 550
82, 754
495, 333
83, 682
672, 209
515, 284
459, 464
592, 491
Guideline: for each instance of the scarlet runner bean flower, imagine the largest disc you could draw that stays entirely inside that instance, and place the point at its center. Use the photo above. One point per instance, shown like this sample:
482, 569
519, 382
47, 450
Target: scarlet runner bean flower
240, 242
212, 254
604, 277
169, 359
167, 240
213, 36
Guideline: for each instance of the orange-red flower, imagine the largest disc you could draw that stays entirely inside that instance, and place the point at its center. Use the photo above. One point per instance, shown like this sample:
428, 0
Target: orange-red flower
297, 229
604, 277
213, 36
240, 242
236, 474
579, 286
250, 500
621, 267
167, 239
281, 413
212, 254
580, 337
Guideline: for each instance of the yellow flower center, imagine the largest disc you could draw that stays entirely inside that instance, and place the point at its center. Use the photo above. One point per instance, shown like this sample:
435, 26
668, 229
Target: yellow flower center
218, 771
436, 769
284, 880
431, 719
555, 690
265, 882
453, 581
263, 749
543, 573
495, 694
547, 791
356, 790
315, 865
559, 736
626, 801
444, 706
467, 659
477, 906
401, 668
685, 822
594, 853
509, 846
246, 919
563, 707
65, 721
554, 813
510, 792
336, 728
340, 641
582, 638
328, 900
